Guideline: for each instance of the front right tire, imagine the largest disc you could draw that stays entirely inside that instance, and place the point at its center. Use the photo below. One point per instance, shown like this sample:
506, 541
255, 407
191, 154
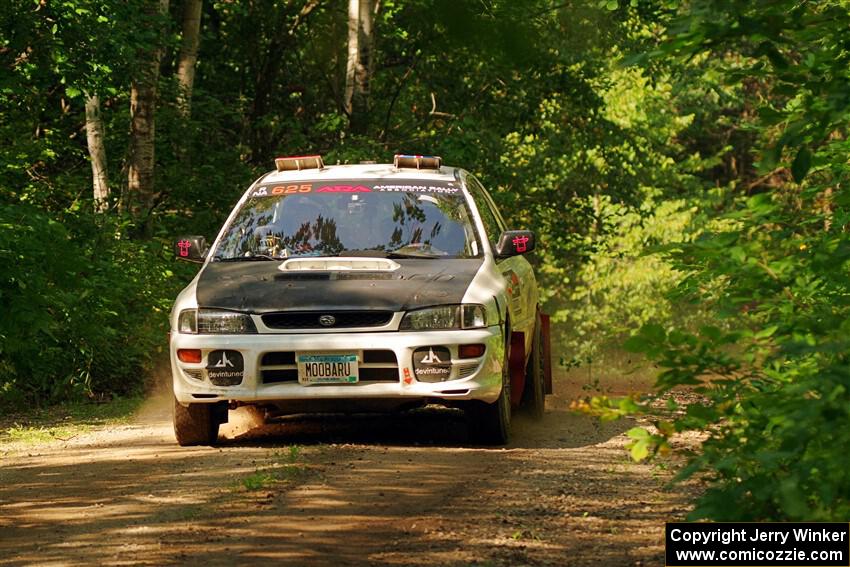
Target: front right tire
490, 424
195, 424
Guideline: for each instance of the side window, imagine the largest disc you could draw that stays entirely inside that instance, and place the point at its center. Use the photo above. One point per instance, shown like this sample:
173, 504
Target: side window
485, 208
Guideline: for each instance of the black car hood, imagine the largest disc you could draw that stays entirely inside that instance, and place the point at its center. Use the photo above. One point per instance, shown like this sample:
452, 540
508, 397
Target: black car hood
259, 287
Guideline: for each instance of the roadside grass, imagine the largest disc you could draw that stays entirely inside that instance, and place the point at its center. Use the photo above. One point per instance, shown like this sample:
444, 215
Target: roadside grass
65, 421
283, 467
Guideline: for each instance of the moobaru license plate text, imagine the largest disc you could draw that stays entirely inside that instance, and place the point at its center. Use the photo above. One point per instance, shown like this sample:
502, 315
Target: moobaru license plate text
317, 368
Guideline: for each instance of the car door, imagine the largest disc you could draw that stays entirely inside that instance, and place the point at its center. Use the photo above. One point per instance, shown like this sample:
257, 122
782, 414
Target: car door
516, 270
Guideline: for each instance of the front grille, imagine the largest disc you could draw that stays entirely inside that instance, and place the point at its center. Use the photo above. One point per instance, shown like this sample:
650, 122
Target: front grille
379, 374
310, 319
277, 358
281, 375
377, 365
379, 356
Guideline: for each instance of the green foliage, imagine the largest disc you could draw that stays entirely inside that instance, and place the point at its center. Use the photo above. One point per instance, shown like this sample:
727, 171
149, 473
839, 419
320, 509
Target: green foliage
773, 374
284, 467
258, 480
78, 309
619, 286
602, 280
776, 386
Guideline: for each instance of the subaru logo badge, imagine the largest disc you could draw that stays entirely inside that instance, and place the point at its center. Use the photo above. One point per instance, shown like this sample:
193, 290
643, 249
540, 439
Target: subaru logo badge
327, 320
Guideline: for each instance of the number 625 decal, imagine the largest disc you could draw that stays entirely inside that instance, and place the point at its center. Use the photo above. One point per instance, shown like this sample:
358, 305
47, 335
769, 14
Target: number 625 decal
290, 189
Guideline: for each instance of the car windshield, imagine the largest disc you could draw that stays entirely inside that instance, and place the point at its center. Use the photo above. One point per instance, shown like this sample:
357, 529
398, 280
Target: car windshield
405, 219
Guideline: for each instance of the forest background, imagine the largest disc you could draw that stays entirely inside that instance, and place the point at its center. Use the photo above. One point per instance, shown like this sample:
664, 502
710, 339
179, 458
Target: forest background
681, 161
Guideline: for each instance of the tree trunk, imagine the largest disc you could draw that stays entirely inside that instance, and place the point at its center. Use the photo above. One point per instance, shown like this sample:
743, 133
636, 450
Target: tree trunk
265, 79
140, 179
97, 153
358, 70
188, 53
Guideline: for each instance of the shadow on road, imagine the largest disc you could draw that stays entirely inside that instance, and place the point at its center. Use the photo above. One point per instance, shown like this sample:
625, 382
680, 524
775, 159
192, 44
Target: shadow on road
432, 426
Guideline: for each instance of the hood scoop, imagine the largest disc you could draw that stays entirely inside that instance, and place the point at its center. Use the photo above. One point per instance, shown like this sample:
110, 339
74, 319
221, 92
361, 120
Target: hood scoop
307, 275
338, 264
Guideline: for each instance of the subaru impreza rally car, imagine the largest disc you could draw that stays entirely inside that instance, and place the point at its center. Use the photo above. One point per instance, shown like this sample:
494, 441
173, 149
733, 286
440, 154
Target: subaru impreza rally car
360, 288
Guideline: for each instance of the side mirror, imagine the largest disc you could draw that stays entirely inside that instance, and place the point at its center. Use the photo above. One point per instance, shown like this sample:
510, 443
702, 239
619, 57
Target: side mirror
514, 242
190, 248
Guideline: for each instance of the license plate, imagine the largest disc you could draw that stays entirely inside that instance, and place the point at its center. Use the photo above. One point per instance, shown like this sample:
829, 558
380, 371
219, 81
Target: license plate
327, 368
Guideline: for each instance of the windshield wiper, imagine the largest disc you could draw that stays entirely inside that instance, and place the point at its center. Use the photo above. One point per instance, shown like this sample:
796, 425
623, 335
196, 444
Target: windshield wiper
392, 255
412, 252
412, 255
376, 253
253, 258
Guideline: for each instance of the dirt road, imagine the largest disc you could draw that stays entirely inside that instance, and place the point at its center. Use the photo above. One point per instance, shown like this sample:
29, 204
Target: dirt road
400, 490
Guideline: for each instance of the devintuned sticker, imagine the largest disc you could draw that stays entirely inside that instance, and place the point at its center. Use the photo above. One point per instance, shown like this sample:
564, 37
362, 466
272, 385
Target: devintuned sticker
432, 364
225, 367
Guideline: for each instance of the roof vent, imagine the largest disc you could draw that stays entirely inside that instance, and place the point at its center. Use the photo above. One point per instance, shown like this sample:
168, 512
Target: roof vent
417, 162
297, 163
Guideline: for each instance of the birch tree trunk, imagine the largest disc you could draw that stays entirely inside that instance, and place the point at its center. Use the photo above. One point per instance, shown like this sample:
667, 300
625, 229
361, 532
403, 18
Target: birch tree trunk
140, 177
358, 70
97, 153
188, 53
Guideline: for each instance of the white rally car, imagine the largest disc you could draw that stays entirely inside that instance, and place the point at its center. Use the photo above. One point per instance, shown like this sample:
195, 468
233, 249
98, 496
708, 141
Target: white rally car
360, 288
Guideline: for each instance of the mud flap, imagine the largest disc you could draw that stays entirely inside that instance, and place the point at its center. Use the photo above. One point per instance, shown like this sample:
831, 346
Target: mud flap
516, 365
219, 411
547, 354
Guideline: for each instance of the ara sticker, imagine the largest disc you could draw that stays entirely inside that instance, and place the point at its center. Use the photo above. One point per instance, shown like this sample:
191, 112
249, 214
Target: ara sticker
343, 189
408, 379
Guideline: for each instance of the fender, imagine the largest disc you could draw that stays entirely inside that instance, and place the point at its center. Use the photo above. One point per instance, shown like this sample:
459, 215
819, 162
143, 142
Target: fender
516, 366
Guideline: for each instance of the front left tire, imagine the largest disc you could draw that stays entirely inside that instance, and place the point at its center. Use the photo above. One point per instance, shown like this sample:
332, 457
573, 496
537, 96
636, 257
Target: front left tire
534, 393
195, 424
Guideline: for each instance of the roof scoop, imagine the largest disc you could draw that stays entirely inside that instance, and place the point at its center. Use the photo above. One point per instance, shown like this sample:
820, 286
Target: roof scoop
336, 264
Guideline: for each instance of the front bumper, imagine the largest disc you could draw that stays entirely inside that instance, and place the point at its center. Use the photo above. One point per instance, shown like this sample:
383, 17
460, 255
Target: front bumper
470, 379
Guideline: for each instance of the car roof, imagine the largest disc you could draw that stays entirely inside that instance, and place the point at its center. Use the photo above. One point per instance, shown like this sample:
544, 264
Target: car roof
383, 171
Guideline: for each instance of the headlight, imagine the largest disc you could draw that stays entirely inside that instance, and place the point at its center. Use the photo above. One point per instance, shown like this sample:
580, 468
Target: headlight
207, 322
187, 323
445, 317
